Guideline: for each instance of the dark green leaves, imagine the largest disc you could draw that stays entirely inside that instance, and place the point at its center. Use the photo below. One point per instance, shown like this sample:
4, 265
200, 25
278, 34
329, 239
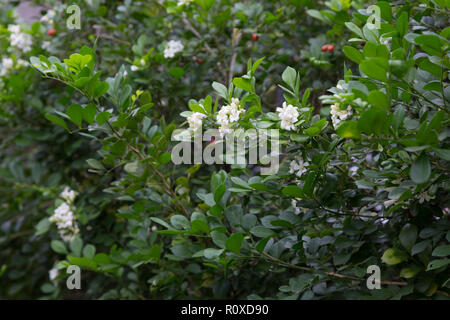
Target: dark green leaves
234, 242
408, 236
420, 170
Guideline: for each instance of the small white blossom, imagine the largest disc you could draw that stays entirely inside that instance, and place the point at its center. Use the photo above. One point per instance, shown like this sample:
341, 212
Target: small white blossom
68, 194
49, 16
53, 273
298, 167
134, 68
288, 115
46, 45
424, 196
184, 2
21, 40
353, 170
172, 48
195, 120
338, 115
228, 115
7, 64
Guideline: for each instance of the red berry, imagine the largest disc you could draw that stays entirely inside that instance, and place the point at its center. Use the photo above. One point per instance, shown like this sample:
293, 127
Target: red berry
51, 32
330, 47
255, 37
324, 48
199, 60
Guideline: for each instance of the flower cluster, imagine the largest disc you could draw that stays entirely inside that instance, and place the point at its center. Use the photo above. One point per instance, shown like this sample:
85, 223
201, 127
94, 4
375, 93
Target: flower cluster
338, 115
184, 2
49, 17
19, 39
172, 48
195, 120
229, 114
298, 167
63, 216
288, 115
7, 64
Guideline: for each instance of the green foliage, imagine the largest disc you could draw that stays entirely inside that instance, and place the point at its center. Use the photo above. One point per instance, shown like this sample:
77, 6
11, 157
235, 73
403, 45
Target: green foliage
363, 178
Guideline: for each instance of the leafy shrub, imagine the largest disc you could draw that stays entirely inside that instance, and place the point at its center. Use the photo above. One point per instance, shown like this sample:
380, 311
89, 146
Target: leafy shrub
363, 177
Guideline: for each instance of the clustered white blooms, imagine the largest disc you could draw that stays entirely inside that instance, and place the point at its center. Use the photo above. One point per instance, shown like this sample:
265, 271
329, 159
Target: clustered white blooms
338, 115
7, 64
228, 115
46, 45
298, 167
53, 273
64, 217
288, 115
195, 120
424, 196
294, 205
49, 16
19, 39
172, 48
184, 2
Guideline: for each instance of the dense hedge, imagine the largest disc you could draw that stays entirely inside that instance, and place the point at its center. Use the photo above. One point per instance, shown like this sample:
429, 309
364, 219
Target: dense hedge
88, 116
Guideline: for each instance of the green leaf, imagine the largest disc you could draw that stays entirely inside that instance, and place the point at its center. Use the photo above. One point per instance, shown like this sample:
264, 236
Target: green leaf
293, 191
420, 247
219, 238
180, 222
353, 27
373, 120
221, 90
261, 232
56, 120
408, 236
379, 99
75, 113
58, 246
289, 76
375, 68
89, 113
218, 194
211, 253
402, 24
76, 245
394, 256
349, 129
436, 264
441, 251
234, 242
353, 54
100, 89
431, 44
243, 84
89, 251
176, 72
443, 153
410, 271
420, 170
93, 163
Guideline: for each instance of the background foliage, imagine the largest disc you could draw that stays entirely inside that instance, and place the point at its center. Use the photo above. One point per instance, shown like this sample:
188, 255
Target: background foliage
95, 109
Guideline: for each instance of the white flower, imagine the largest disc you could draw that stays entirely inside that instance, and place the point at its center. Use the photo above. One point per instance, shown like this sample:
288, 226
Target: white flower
68, 194
184, 2
154, 228
172, 48
298, 167
64, 219
353, 170
195, 120
19, 39
53, 273
46, 45
49, 16
229, 114
424, 196
7, 64
294, 205
288, 115
338, 115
